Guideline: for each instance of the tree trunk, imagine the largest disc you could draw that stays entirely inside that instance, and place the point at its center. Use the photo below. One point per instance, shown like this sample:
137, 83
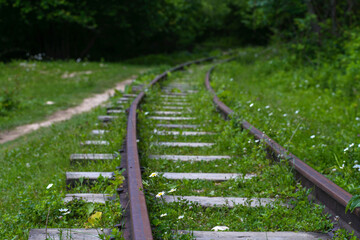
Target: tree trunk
314, 23
334, 29
89, 46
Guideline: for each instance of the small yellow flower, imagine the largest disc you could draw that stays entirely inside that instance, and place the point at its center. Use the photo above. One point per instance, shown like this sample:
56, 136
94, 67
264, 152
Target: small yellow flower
160, 194
154, 174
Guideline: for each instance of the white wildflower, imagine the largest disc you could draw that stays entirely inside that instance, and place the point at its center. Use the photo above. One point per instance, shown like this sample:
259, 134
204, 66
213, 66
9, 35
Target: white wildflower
357, 166
285, 115
267, 107
160, 194
351, 145
49, 186
49, 103
65, 213
172, 190
163, 215
181, 217
154, 174
220, 228
251, 105
346, 149
312, 136
297, 111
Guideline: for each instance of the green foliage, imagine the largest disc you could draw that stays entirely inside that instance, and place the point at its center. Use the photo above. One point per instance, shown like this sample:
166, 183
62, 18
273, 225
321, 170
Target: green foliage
9, 101
342, 234
80, 29
353, 203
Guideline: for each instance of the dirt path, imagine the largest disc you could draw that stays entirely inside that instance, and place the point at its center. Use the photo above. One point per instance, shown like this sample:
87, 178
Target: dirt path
62, 115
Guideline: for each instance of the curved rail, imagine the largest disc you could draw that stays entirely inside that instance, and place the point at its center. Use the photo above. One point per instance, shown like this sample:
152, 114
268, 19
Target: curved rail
324, 191
140, 224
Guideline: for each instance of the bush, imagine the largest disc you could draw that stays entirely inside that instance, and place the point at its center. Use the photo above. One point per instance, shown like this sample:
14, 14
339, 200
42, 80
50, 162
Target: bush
8, 101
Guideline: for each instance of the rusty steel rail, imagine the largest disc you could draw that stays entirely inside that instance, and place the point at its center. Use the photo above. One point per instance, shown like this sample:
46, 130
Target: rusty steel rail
324, 191
140, 224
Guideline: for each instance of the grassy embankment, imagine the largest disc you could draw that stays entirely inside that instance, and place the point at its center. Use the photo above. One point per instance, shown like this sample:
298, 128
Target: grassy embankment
32, 90
313, 111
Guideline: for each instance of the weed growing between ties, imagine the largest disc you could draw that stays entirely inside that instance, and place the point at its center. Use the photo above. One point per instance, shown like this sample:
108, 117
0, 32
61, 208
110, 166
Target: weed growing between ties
272, 179
50, 211
293, 104
43, 159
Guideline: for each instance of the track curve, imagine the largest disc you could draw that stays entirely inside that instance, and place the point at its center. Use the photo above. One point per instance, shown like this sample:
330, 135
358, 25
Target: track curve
324, 191
140, 224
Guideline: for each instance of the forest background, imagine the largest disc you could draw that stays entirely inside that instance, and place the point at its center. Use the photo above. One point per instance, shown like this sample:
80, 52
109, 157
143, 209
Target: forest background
117, 30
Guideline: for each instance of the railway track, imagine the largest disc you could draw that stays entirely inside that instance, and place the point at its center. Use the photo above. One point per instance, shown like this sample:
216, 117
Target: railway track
190, 174
181, 142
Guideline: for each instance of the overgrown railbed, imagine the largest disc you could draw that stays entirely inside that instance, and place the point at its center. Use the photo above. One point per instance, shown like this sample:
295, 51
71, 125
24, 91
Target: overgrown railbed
248, 157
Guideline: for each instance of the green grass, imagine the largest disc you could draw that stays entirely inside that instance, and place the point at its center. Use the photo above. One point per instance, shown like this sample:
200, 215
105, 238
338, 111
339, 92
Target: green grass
27, 86
36, 160
274, 179
296, 105
42, 158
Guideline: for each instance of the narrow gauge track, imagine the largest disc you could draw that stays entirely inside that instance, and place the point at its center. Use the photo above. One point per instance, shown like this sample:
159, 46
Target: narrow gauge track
170, 122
